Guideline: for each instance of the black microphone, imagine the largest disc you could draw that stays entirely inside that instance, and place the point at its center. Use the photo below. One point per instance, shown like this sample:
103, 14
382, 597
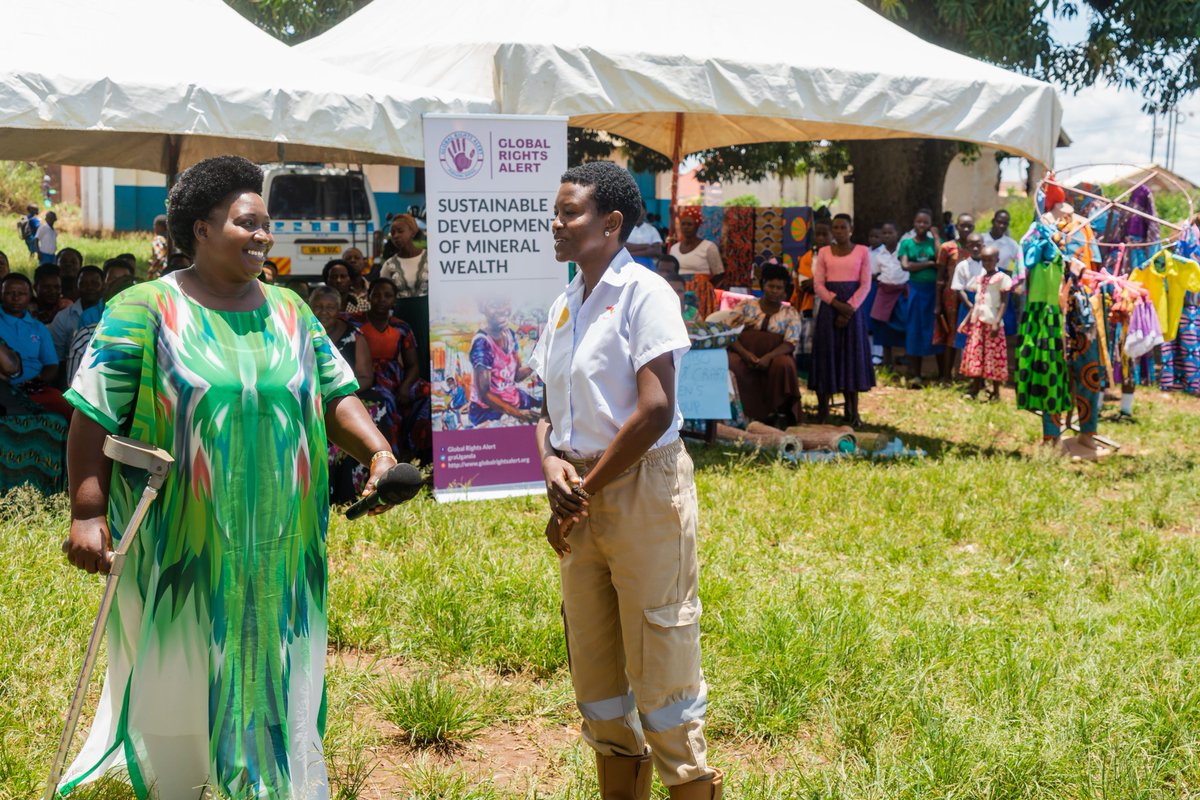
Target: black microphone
400, 483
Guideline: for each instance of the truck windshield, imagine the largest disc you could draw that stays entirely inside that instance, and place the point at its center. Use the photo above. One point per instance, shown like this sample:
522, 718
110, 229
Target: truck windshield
318, 197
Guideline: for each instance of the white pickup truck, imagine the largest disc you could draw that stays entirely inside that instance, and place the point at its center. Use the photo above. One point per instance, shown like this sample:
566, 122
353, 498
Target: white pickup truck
317, 213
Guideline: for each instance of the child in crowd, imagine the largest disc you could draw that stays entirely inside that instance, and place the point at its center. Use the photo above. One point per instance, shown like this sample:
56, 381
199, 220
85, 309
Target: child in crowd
949, 255
965, 271
159, 249
985, 356
802, 292
888, 315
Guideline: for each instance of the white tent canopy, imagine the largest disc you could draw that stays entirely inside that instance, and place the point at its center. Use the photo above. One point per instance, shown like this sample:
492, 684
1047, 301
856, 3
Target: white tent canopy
155, 85
785, 70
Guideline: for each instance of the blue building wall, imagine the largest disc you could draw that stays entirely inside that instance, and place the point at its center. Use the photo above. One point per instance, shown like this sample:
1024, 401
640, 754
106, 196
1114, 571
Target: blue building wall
135, 207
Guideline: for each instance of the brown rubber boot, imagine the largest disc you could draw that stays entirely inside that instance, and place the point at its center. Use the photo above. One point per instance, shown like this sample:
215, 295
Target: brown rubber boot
703, 789
624, 777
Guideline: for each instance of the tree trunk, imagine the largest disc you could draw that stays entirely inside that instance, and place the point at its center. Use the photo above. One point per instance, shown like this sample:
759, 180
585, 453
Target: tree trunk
895, 177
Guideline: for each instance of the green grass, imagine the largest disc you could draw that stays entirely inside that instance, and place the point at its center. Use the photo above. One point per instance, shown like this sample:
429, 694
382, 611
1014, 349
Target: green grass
430, 711
989, 622
95, 250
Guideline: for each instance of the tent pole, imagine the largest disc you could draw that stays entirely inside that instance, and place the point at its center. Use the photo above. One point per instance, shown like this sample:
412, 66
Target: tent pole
676, 158
173, 148
172, 159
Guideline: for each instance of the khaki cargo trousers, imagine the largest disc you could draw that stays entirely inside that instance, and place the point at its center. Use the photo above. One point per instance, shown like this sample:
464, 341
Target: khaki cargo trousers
632, 616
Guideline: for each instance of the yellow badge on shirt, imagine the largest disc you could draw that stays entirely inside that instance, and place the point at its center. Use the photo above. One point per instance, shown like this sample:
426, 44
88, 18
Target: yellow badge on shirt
562, 319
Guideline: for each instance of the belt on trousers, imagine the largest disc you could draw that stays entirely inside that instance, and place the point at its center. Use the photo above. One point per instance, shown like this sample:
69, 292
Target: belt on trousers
657, 454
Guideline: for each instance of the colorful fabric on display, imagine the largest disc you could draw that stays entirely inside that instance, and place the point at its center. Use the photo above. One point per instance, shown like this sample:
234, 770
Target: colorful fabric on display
737, 245
1077, 240
712, 220
797, 234
768, 233
1041, 363
1142, 227
1087, 396
1098, 311
797, 252
32, 451
1084, 338
1144, 333
1168, 277
217, 639
1181, 357
1044, 278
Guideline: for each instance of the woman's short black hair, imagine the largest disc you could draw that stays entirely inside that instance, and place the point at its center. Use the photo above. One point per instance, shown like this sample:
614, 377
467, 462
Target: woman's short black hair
336, 262
613, 189
17, 276
371, 286
90, 268
849, 219
201, 188
774, 272
927, 212
78, 254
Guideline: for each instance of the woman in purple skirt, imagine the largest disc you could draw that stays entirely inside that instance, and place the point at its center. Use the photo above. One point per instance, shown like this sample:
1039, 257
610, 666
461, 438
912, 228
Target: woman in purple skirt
841, 349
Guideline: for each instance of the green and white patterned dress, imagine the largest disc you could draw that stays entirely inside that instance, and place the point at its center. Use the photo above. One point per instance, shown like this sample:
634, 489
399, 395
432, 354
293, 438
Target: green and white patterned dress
217, 640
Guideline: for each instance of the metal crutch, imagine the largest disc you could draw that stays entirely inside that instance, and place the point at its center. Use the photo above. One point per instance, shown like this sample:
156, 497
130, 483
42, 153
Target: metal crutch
158, 463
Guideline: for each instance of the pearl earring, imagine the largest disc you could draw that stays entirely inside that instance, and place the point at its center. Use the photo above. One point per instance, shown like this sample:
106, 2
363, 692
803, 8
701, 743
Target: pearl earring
607, 233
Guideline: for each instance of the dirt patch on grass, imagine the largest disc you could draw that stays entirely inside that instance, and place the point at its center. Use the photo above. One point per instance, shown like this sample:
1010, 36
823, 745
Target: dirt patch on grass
517, 759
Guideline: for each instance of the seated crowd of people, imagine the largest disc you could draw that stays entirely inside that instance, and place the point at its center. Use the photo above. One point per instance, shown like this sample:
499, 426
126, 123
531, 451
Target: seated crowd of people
46, 324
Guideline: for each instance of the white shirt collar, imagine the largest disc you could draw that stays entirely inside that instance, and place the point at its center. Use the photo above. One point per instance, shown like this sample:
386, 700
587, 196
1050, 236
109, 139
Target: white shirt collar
615, 274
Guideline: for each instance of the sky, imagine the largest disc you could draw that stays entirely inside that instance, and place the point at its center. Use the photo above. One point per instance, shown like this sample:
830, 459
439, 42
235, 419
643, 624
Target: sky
1106, 124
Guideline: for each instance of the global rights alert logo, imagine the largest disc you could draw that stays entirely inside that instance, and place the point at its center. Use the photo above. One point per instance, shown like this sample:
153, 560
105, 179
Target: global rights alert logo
461, 155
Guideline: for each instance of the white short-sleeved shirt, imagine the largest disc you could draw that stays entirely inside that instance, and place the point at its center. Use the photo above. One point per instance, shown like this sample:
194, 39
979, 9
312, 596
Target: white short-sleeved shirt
590, 352
47, 239
967, 270
705, 259
1010, 252
885, 265
644, 233
987, 303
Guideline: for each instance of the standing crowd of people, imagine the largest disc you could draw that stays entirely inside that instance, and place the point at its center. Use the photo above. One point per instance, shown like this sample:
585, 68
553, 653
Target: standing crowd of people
908, 301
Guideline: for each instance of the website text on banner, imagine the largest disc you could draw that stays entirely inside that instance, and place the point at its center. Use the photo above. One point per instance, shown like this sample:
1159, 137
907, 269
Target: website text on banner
490, 184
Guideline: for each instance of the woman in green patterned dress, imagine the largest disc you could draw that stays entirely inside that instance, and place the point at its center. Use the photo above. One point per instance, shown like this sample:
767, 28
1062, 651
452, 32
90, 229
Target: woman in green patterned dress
216, 644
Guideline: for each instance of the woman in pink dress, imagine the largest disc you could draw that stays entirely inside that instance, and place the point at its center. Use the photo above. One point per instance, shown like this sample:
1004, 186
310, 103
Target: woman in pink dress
841, 347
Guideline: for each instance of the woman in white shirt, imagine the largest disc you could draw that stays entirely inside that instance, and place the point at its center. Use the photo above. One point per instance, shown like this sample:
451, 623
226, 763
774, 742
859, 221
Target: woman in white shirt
622, 497
408, 268
696, 256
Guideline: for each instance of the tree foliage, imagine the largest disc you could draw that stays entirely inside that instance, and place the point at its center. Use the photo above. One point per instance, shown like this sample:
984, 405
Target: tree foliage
1151, 46
295, 21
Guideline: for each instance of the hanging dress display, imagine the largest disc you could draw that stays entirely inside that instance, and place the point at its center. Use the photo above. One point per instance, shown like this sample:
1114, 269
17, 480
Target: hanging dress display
1041, 365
